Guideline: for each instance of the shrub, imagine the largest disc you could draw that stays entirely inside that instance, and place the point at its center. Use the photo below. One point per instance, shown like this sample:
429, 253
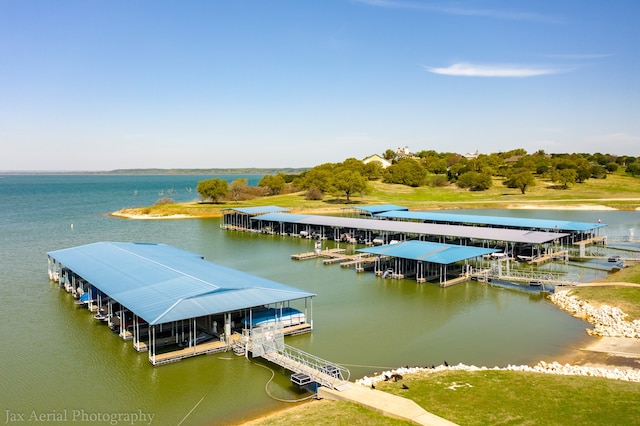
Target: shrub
163, 201
313, 193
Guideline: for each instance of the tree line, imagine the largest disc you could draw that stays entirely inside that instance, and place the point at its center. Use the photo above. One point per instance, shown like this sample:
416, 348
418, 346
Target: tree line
515, 168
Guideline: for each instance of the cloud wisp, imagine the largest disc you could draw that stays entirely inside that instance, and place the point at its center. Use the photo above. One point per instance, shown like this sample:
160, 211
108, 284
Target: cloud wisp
505, 71
463, 11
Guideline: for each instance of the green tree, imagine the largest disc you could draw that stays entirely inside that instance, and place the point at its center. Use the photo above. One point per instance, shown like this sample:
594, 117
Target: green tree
389, 154
350, 182
474, 181
521, 179
564, 177
273, 184
406, 172
633, 169
212, 189
373, 170
435, 165
612, 167
598, 171
237, 188
319, 177
352, 164
583, 171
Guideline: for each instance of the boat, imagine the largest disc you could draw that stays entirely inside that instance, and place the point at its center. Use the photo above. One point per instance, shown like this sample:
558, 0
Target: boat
200, 338
83, 300
102, 317
287, 316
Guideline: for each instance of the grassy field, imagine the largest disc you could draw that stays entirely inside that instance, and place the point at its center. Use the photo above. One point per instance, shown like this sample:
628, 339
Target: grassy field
617, 191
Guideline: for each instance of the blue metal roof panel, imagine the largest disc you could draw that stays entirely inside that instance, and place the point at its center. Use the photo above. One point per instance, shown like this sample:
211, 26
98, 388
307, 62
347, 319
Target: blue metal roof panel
161, 283
428, 252
516, 222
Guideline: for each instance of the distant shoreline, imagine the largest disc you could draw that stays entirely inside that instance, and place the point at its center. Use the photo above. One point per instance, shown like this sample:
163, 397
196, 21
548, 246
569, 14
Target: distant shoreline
155, 172
134, 213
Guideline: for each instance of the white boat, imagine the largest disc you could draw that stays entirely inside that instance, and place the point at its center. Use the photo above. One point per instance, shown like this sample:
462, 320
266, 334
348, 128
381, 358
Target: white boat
287, 316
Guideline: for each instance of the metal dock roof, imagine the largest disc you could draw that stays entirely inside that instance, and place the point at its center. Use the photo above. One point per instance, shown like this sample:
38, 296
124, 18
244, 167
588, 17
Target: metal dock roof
457, 231
161, 283
378, 209
428, 252
514, 222
257, 209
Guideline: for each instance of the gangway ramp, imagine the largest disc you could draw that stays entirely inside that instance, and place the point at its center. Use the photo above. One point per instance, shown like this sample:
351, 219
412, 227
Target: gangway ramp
268, 342
319, 371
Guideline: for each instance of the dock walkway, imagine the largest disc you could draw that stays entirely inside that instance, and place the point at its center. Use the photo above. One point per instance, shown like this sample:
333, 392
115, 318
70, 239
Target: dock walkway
328, 253
203, 348
384, 403
562, 254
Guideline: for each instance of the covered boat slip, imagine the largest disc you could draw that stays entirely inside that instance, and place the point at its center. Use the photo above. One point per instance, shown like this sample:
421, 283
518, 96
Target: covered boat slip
240, 218
578, 231
379, 232
427, 261
170, 302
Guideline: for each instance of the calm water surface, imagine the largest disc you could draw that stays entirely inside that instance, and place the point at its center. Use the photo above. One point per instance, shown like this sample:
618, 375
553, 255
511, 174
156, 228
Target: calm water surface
56, 358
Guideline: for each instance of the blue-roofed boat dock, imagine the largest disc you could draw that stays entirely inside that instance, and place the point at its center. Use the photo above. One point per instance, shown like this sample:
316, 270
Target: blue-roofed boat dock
407, 244
169, 302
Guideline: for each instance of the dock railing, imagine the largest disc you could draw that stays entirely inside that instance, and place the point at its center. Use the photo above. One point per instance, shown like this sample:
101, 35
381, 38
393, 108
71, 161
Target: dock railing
529, 276
319, 370
268, 343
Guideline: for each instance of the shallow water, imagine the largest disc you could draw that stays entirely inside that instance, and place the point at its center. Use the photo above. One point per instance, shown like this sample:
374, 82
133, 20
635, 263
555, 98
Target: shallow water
57, 358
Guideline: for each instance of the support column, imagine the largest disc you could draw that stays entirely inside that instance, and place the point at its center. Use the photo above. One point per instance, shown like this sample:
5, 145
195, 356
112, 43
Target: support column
227, 328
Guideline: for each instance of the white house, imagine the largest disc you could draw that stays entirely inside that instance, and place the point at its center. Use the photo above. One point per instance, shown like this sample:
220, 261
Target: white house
378, 159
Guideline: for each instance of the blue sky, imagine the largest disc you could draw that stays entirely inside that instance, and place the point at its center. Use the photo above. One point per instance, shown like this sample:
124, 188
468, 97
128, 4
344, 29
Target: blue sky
102, 85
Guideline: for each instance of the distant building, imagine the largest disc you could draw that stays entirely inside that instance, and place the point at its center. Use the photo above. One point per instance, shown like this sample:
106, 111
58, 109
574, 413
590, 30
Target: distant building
377, 159
471, 155
513, 159
403, 152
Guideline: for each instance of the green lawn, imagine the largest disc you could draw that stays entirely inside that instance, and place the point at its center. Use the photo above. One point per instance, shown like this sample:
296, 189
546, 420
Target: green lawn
519, 398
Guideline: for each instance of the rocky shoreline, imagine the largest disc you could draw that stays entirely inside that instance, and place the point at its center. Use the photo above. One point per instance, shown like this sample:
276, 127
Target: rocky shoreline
608, 321
630, 375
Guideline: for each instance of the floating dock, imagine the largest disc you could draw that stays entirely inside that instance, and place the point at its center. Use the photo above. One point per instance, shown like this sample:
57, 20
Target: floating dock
327, 253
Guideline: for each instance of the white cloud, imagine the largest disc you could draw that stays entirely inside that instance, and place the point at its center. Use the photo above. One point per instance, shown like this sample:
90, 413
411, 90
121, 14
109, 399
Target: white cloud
474, 70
